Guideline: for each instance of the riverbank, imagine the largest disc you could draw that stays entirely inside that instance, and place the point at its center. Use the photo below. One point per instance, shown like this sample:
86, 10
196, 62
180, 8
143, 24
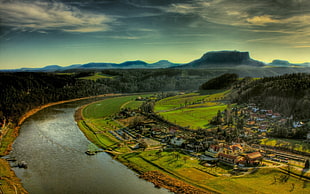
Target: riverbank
9, 183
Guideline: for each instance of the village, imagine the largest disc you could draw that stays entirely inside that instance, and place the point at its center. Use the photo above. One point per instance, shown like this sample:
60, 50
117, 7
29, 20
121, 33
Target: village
234, 141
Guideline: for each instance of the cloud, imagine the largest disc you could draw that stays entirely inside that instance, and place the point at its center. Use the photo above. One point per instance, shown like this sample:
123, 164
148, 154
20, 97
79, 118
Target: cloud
261, 20
51, 16
288, 19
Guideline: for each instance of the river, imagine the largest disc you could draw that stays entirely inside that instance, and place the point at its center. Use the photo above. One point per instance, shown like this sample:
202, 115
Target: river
53, 147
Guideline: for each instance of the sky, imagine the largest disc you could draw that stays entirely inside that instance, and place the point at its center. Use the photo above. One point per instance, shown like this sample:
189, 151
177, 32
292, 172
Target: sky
37, 33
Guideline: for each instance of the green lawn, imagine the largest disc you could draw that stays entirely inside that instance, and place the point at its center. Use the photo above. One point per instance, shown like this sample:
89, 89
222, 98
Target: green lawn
298, 145
193, 109
188, 99
188, 169
132, 104
263, 181
106, 107
198, 117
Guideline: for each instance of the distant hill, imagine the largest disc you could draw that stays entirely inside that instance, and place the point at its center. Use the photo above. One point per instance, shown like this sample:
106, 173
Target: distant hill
220, 59
100, 66
225, 61
283, 63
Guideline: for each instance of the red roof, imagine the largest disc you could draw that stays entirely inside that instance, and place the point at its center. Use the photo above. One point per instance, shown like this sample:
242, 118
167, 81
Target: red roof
254, 155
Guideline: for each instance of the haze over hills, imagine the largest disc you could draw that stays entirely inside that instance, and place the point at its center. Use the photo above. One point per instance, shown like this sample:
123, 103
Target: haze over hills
213, 59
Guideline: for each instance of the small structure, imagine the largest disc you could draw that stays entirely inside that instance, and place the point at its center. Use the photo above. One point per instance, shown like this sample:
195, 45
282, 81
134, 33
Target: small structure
177, 141
254, 158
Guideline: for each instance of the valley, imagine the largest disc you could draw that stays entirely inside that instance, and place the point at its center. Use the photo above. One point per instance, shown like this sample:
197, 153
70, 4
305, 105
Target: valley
196, 155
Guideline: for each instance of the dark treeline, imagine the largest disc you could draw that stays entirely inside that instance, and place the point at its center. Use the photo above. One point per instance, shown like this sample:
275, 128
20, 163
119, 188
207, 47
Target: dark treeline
222, 82
288, 94
21, 92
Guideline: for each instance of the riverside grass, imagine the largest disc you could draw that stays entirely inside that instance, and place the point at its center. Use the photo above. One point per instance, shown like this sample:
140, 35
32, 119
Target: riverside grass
109, 106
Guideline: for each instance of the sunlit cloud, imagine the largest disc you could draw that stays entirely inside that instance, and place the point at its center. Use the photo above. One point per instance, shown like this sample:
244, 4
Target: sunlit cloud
261, 20
51, 16
302, 46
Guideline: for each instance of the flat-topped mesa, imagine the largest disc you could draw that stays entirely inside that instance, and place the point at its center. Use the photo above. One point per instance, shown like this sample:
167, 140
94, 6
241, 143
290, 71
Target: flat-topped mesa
234, 57
224, 59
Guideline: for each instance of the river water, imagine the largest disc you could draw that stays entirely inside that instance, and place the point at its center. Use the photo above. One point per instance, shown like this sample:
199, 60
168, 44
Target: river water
53, 147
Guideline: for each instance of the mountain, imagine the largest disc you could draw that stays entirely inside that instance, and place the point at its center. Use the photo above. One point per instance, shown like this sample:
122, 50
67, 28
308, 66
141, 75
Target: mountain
227, 61
91, 66
283, 63
220, 59
49, 68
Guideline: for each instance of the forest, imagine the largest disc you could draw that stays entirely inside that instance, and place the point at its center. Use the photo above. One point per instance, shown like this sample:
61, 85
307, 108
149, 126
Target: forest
287, 94
21, 91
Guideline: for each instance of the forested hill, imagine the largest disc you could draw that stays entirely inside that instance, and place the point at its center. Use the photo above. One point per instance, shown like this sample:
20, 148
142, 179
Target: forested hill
21, 92
288, 94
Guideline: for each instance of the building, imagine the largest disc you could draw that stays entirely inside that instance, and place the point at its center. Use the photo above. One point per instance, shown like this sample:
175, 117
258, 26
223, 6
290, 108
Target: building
177, 141
254, 158
230, 159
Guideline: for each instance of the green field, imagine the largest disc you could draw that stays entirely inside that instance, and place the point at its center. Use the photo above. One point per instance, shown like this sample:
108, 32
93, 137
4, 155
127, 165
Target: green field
97, 76
193, 110
198, 117
109, 106
188, 99
297, 145
97, 122
188, 169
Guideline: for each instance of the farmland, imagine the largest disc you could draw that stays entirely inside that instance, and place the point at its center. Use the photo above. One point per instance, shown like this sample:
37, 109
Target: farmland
192, 110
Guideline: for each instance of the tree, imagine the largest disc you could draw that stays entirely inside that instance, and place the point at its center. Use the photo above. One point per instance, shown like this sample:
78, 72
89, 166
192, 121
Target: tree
307, 164
143, 145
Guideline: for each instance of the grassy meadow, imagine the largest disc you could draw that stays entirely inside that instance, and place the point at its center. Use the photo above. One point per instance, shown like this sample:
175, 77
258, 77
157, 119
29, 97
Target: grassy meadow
191, 110
97, 122
194, 117
297, 145
215, 179
109, 106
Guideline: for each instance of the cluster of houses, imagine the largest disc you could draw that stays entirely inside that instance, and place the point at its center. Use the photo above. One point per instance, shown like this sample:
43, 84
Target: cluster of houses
261, 119
208, 146
235, 154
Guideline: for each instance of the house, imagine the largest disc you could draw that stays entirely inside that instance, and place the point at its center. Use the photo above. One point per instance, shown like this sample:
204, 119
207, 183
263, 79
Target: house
298, 124
236, 148
253, 158
230, 159
250, 122
276, 115
262, 128
214, 150
269, 112
177, 141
